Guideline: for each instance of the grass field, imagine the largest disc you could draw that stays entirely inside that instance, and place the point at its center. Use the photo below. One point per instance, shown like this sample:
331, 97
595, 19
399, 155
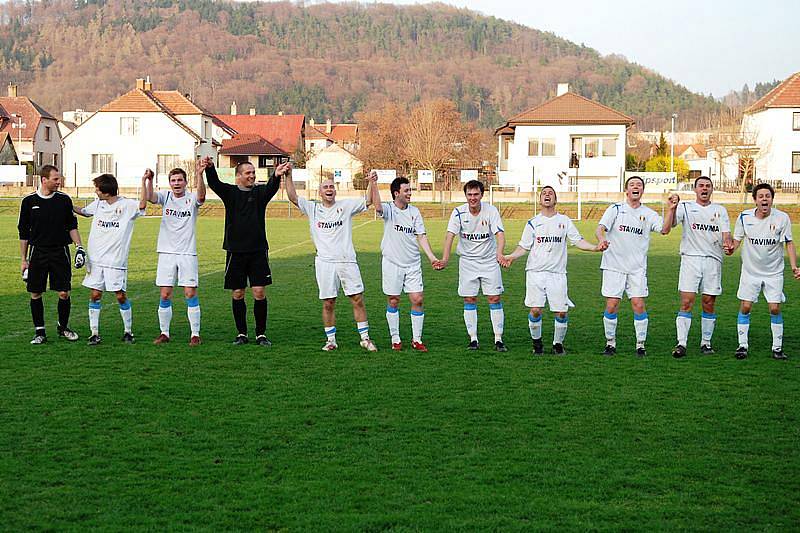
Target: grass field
144, 437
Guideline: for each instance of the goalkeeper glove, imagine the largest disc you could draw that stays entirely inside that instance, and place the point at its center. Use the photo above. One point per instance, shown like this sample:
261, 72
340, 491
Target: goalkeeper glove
80, 257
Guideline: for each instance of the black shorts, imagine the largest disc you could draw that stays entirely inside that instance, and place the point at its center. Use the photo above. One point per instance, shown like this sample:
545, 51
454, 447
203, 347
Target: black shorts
243, 266
53, 262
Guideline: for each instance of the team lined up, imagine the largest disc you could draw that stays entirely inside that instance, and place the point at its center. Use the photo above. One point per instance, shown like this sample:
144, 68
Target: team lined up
47, 225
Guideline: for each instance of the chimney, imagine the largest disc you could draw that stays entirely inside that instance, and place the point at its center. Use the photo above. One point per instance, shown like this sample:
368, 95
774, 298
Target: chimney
280, 113
328, 126
311, 122
140, 84
563, 88
12, 90
252, 111
233, 108
147, 85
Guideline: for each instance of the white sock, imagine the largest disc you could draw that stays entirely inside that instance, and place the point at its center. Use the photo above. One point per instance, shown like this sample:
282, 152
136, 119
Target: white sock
363, 330
560, 331
471, 320
610, 327
682, 324
535, 326
164, 315
193, 312
640, 326
127, 316
393, 319
743, 328
94, 317
330, 333
776, 323
707, 324
497, 316
417, 319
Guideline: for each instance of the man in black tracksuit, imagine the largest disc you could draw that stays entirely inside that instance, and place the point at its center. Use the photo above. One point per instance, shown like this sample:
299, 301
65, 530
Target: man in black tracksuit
46, 227
246, 242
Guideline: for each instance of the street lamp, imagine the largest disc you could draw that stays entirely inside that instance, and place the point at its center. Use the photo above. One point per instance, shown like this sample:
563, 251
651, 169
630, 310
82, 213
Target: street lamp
672, 145
19, 125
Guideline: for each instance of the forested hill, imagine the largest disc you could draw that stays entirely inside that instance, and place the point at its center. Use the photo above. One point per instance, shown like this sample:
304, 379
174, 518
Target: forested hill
325, 60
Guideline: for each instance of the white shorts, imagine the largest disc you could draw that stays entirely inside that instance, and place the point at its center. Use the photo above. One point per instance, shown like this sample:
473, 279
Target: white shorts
750, 287
397, 279
700, 275
616, 283
331, 276
473, 276
105, 279
541, 287
177, 267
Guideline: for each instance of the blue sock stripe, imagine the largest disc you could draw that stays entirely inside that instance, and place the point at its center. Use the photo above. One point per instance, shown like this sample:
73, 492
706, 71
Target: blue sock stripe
743, 319
776, 319
164, 303
125, 305
685, 314
390, 309
470, 307
194, 301
495, 307
94, 305
643, 316
417, 313
610, 316
534, 319
712, 316
362, 330
562, 320
330, 331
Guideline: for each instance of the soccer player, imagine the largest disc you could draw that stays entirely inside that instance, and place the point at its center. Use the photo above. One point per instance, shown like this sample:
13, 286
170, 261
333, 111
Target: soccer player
109, 244
706, 234
403, 236
177, 246
331, 224
481, 240
46, 227
763, 232
625, 230
546, 236
246, 243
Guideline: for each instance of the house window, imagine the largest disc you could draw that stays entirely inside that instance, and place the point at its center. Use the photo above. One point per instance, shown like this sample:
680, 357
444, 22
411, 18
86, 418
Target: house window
39, 159
265, 161
796, 121
128, 126
102, 163
47, 133
609, 147
548, 147
795, 162
167, 162
533, 147
506, 145
541, 147
55, 160
591, 148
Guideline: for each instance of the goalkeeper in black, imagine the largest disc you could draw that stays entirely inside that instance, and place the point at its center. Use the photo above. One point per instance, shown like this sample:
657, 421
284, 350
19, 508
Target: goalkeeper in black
46, 227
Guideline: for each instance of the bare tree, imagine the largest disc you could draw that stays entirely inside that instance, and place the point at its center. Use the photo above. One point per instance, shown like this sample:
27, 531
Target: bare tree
379, 129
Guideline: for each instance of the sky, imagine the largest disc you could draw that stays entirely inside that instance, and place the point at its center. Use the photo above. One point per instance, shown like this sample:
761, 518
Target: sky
708, 46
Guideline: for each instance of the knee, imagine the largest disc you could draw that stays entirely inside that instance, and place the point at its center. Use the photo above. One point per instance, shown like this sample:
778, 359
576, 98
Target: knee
561, 315
612, 305
121, 297
63, 295
774, 309
95, 295
329, 304
417, 300
237, 294
470, 300
259, 293
536, 312
189, 292
745, 307
638, 306
493, 299
394, 301
357, 299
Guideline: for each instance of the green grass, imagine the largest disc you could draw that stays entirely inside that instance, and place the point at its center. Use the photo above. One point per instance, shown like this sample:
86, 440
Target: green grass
143, 437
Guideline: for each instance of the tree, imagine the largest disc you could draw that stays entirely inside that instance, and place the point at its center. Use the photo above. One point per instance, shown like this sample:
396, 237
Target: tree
663, 147
379, 142
660, 163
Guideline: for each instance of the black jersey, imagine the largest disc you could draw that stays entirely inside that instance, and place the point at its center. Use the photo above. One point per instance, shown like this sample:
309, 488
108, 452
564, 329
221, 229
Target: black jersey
46, 221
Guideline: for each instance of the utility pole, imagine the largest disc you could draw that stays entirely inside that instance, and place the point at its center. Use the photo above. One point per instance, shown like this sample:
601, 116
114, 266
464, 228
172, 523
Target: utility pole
672, 145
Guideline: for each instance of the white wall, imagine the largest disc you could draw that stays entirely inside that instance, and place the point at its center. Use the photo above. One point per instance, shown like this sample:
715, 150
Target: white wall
776, 141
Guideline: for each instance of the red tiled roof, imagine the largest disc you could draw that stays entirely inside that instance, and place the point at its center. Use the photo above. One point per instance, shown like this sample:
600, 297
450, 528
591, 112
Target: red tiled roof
344, 133
249, 144
31, 115
699, 149
135, 100
570, 108
284, 131
786, 94
312, 132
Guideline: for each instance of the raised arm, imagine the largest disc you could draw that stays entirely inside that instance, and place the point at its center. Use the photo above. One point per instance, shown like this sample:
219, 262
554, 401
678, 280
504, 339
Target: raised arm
670, 220
373, 194
200, 193
143, 192
291, 192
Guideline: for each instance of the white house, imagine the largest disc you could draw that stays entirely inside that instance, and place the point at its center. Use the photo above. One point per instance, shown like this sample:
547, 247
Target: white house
540, 146
334, 162
141, 129
34, 131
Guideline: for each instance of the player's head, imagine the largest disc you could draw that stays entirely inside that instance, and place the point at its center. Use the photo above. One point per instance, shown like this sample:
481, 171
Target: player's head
548, 196
473, 190
177, 181
634, 188
50, 178
401, 190
245, 174
327, 191
105, 185
703, 188
764, 195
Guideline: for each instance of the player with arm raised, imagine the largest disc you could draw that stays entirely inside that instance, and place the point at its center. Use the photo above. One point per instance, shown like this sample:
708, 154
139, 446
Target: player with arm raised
177, 246
47, 225
706, 233
109, 245
331, 224
401, 268
625, 229
546, 236
481, 240
762, 233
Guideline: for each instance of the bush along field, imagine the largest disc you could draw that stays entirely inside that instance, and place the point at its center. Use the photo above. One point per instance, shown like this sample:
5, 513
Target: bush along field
290, 437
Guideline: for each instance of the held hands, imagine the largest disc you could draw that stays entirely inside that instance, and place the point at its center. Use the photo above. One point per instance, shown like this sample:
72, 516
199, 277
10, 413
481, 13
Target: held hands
373, 176
796, 272
505, 260
202, 164
284, 169
601, 246
439, 264
673, 200
148, 175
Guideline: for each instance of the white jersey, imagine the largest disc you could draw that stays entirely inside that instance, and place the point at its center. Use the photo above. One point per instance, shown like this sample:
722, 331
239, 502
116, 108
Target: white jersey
332, 227
178, 221
546, 238
628, 237
703, 227
112, 228
400, 230
476, 239
762, 242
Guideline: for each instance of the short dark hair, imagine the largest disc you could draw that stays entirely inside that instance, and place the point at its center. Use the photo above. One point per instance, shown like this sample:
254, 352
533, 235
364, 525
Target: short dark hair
107, 184
762, 186
176, 171
396, 183
45, 171
702, 178
634, 178
243, 163
548, 187
473, 184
